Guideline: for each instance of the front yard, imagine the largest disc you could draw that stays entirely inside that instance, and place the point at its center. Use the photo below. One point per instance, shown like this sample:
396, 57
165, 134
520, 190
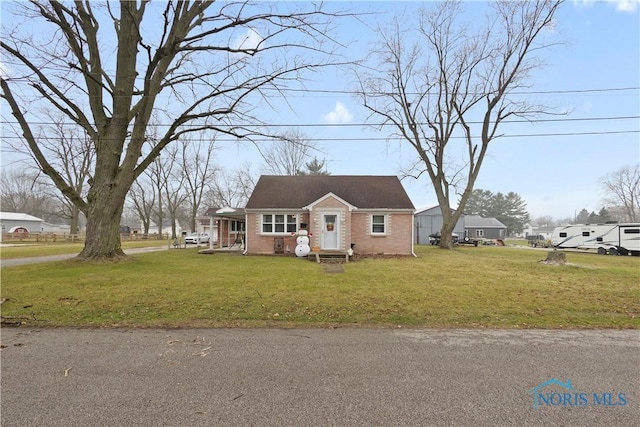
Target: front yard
493, 287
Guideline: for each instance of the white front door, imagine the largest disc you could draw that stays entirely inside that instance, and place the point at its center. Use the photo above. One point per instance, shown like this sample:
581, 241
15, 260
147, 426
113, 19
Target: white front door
330, 224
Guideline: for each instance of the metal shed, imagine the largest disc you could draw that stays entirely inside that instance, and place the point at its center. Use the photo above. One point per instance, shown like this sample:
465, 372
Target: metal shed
429, 221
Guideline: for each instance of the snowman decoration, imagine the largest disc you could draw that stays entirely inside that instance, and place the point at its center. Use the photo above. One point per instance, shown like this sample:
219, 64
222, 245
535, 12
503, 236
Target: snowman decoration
302, 241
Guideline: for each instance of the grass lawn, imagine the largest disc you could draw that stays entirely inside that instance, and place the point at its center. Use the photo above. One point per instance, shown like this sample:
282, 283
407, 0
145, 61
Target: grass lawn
494, 287
32, 249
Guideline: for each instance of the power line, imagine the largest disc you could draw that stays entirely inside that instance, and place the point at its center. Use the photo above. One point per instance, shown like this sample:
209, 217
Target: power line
296, 125
398, 138
537, 92
470, 122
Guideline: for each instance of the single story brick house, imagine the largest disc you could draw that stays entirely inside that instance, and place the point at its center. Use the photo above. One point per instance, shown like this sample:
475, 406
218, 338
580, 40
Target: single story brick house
374, 213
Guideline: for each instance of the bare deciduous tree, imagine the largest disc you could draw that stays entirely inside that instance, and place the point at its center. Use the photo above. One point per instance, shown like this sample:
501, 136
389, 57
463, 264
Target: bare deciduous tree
289, 155
142, 199
69, 151
232, 188
167, 179
24, 190
432, 81
199, 171
71, 154
108, 66
546, 221
622, 189
173, 179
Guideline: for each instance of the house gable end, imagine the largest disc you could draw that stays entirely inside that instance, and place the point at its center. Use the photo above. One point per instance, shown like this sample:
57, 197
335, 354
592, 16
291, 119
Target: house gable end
327, 196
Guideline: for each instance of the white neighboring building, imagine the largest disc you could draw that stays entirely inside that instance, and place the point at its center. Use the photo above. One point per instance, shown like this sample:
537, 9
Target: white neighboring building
13, 221
165, 229
535, 230
56, 228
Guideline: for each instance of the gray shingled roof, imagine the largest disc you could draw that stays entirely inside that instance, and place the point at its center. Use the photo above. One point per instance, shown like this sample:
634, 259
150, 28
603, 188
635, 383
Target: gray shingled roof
364, 192
474, 221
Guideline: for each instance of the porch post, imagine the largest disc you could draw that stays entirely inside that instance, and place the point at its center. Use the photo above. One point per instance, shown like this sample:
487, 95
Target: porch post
211, 231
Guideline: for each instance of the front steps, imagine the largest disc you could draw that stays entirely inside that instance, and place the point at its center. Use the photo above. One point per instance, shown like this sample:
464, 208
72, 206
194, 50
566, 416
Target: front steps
328, 256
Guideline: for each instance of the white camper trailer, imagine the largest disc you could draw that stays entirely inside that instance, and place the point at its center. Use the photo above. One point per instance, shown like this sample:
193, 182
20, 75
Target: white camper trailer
613, 239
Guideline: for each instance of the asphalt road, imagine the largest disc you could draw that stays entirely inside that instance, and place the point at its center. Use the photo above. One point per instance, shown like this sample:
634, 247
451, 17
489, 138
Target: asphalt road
319, 377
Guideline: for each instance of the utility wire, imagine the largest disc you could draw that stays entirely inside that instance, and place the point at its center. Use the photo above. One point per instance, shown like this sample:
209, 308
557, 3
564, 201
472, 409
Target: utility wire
393, 138
299, 125
537, 92
398, 138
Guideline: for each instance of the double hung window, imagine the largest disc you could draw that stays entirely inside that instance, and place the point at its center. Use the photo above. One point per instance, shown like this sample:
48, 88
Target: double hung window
279, 223
378, 224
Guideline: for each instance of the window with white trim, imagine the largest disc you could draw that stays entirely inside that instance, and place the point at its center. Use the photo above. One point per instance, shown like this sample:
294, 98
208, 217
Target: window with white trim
378, 224
479, 233
279, 223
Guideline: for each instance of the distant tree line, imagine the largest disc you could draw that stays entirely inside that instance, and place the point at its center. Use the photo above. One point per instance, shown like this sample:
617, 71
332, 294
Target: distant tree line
620, 202
176, 188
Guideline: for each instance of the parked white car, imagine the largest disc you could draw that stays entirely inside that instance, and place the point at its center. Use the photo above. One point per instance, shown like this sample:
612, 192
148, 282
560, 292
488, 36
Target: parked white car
196, 238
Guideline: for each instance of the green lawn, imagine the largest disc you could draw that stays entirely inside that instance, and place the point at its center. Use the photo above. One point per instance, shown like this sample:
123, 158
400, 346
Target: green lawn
33, 249
494, 287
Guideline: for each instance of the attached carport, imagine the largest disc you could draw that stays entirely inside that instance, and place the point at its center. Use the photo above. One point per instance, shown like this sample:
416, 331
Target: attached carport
230, 225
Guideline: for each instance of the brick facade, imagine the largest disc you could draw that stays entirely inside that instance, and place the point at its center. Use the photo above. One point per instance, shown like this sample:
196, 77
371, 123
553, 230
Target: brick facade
353, 226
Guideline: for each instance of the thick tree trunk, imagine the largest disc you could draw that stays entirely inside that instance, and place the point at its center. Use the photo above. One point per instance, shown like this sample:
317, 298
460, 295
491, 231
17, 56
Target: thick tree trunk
75, 220
104, 212
449, 220
446, 240
103, 230
173, 228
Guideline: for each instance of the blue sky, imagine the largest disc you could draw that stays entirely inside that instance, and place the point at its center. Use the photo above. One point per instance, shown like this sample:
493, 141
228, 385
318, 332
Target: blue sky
556, 175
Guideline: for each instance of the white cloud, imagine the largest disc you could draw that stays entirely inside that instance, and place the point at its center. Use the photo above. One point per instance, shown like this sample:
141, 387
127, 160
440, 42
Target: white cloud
583, 3
621, 5
340, 114
626, 5
587, 107
250, 40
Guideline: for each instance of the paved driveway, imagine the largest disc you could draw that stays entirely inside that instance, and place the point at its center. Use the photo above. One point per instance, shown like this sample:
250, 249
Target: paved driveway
319, 377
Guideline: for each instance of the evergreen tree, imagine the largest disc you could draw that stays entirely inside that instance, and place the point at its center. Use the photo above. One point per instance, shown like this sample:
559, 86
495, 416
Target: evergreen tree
315, 167
478, 203
604, 215
508, 208
582, 217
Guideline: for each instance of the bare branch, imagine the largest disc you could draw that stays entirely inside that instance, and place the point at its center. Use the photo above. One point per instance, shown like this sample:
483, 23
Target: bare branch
433, 84
200, 65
